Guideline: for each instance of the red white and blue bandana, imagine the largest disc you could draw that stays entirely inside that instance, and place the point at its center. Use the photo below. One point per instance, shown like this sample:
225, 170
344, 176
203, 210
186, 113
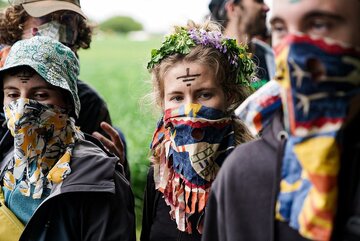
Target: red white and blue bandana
318, 79
189, 146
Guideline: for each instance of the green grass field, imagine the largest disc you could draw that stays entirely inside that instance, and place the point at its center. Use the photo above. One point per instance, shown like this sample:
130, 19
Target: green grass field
116, 67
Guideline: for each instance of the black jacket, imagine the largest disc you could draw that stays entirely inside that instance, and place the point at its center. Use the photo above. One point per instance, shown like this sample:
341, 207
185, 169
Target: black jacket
94, 111
157, 224
94, 202
241, 205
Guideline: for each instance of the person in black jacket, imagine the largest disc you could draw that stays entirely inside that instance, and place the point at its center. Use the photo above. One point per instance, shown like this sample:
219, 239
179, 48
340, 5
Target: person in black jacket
65, 22
59, 184
300, 180
199, 78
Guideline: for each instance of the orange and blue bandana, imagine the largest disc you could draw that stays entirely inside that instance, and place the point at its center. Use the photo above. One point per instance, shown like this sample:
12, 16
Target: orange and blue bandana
318, 79
189, 146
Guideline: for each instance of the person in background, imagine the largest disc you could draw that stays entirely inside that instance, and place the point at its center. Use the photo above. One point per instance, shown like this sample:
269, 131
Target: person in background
57, 181
301, 180
64, 21
245, 21
199, 78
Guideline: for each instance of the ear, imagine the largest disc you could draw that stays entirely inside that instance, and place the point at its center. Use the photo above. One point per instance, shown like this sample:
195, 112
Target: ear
229, 98
162, 104
230, 8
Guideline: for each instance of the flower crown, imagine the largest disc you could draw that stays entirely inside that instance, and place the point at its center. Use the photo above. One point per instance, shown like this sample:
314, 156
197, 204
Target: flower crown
183, 40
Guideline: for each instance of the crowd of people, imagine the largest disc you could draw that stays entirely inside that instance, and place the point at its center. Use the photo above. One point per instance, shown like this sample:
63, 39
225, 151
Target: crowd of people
254, 142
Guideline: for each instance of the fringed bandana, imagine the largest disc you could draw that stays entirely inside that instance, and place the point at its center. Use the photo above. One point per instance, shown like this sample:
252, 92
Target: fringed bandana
189, 146
44, 137
319, 77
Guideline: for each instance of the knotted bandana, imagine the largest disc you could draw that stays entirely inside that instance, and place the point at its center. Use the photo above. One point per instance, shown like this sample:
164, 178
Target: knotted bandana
318, 79
189, 146
44, 137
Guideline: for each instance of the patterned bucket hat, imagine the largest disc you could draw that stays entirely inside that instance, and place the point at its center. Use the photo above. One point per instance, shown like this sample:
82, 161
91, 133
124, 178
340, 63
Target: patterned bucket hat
52, 60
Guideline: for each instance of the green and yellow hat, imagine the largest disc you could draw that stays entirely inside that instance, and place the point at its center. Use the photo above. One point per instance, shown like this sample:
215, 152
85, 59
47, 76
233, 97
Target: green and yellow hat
52, 60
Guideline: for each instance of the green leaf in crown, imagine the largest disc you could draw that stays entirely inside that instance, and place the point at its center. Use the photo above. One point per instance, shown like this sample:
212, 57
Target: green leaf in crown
183, 40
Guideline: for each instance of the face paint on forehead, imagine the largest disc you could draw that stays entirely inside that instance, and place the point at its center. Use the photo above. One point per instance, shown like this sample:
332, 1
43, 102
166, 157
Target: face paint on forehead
25, 75
294, 1
188, 77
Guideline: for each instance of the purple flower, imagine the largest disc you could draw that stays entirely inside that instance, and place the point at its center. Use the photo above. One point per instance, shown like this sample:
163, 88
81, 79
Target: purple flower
214, 39
224, 49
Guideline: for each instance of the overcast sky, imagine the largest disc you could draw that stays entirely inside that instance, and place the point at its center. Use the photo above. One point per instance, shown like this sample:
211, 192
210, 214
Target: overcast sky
155, 15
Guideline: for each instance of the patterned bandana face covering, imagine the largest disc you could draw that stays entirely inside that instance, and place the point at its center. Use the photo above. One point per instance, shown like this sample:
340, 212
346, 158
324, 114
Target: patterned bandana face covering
319, 78
259, 108
44, 137
190, 143
54, 30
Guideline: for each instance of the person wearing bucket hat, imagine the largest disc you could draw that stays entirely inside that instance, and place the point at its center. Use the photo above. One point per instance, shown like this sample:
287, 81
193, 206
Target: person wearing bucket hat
245, 20
301, 180
63, 20
57, 183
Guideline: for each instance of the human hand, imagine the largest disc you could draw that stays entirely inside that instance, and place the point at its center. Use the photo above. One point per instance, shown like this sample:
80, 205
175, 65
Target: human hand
114, 145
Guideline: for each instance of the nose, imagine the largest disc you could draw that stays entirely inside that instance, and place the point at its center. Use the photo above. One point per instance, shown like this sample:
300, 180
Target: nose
190, 101
265, 8
24, 95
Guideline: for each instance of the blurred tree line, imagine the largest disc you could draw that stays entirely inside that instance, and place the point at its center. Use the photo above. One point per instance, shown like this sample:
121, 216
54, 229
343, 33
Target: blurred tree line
120, 24
3, 3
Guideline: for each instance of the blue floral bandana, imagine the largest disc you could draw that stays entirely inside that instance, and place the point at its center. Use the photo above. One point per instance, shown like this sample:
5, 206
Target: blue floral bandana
189, 146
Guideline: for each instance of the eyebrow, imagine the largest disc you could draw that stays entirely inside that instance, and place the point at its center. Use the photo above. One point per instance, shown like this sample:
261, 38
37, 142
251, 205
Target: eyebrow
174, 92
202, 89
33, 88
276, 19
312, 14
319, 13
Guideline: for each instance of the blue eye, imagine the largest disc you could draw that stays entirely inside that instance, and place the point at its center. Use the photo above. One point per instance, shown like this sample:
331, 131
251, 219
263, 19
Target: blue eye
176, 98
319, 26
206, 95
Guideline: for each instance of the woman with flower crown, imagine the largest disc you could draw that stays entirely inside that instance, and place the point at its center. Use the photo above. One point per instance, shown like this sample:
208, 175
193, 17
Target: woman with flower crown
199, 77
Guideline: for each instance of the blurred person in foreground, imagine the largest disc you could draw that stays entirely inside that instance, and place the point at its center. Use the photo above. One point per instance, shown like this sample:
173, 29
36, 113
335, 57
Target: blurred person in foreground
63, 21
301, 179
245, 20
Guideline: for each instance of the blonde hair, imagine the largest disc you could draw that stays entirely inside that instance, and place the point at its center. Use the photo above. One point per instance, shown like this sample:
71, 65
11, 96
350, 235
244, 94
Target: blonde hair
206, 56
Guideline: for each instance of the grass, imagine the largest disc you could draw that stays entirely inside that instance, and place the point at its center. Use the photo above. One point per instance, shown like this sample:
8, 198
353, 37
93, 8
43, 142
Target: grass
116, 67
